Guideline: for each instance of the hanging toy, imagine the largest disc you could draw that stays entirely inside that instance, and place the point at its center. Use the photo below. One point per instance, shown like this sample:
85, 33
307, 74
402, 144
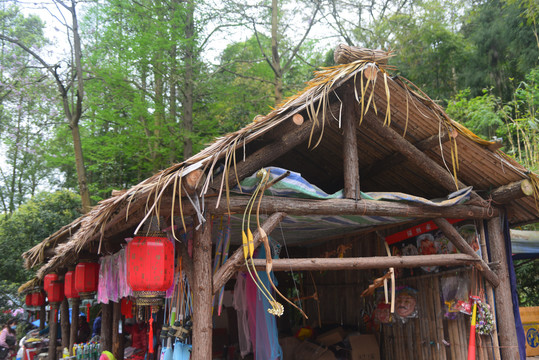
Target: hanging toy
471, 344
277, 308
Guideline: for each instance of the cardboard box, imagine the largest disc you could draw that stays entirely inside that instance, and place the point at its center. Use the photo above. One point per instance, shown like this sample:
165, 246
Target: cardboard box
530, 322
364, 347
309, 351
289, 346
332, 337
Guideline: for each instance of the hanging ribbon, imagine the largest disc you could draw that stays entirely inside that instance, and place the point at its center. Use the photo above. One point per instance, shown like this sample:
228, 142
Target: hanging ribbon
150, 336
88, 312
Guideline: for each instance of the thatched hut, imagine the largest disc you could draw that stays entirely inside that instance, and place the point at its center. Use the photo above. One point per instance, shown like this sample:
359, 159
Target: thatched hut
389, 148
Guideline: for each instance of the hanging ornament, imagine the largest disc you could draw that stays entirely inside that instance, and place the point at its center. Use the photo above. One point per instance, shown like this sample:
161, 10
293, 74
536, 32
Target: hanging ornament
70, 289
38, 298
127, 308
55, 293
150, 268
86, 279
48, 279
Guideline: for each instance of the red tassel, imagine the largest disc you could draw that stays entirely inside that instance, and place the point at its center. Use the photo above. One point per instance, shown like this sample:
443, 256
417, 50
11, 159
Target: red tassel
150, 340
55, 315
88, 312
37, 315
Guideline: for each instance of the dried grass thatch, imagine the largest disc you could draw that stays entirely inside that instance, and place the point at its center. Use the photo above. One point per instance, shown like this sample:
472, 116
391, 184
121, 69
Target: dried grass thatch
29, 285
315, 100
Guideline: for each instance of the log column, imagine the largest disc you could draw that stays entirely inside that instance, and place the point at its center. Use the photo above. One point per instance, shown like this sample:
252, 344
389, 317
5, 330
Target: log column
75, 304
350, 156
53, 331
504, 302
117, 335
42, 316
106, 327
64, 323
202, 294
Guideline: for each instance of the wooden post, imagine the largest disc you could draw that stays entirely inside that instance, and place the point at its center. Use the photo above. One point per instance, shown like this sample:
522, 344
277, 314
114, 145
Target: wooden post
231, 266
350, 156
504, 303
53, 331
490, 293
461, 244
106, 327
42, 316
75, 304
202, 293
64, 323
117, 336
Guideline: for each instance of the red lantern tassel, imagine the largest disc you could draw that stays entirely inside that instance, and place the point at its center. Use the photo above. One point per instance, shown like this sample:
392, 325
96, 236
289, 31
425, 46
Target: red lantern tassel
471, 345
150, 340
88, 313
55, 315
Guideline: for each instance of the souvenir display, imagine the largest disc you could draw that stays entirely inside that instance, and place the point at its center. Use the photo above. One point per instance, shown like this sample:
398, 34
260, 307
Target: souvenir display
405, 304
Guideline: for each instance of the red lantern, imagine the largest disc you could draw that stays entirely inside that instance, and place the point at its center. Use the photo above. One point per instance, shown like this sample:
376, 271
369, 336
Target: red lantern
28, 300
48, 279
55, 292
38, 298
69, 288
150, 268
86, 278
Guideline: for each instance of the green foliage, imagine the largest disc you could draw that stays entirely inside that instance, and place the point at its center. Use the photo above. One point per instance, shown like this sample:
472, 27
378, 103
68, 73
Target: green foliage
480, 114
32, 222
527, 282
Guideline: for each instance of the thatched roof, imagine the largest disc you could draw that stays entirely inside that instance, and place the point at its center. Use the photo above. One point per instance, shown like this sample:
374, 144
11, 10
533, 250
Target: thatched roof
390, 99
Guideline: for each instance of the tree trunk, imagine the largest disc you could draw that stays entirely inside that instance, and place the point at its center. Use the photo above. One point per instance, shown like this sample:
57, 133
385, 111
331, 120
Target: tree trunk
42, 316
189, 73
275, 56
81, 170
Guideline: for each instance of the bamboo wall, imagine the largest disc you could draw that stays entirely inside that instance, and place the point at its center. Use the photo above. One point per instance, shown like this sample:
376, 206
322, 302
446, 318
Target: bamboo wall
430, 336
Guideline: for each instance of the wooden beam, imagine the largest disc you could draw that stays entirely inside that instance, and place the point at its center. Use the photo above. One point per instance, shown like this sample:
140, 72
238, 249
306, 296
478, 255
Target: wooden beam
415, 156
75, 304
202, 292
350, 207
236, 261
268, 153
397, 158
504, 302
117, 336
53, 331
106, 327
349, 147
513, 191
64, 323
461, 244
377, 262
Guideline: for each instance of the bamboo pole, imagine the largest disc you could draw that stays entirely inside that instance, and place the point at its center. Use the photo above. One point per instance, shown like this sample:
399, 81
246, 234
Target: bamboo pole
202, 292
